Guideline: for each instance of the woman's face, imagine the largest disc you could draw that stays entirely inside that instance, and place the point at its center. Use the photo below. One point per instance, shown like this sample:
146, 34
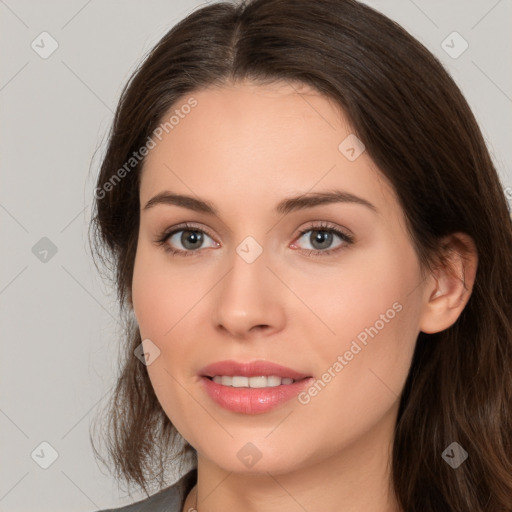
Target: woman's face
343, 310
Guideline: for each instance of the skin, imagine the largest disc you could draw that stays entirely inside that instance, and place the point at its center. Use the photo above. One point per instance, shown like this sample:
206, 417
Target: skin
244, 148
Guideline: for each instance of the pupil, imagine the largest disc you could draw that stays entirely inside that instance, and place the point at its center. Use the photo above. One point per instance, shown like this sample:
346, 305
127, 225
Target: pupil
322, 237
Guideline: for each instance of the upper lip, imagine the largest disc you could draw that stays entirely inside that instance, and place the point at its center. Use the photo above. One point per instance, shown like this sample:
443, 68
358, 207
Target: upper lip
252, 369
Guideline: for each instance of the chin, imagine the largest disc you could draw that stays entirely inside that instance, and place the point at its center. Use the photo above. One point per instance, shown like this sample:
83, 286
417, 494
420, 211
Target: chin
249, 459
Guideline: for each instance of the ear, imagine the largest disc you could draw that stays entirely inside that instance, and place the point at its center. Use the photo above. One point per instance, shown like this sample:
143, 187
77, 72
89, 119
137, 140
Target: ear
450, 284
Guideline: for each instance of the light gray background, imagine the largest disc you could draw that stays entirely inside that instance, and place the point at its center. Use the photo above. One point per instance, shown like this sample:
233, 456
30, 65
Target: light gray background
59, 343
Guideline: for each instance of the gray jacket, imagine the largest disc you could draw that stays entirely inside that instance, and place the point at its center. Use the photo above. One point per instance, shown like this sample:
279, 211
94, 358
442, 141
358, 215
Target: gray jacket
170, 499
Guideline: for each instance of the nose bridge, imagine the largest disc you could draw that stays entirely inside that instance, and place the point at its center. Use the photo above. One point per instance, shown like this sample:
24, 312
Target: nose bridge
248, 280
247, 295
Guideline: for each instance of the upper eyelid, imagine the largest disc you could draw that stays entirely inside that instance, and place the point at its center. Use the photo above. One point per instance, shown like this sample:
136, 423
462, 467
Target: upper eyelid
188, 227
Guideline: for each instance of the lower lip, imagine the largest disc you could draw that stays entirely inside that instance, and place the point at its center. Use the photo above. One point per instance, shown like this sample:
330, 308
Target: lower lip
253, 400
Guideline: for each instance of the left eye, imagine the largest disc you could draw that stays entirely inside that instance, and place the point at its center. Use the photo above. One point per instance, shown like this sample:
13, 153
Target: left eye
322, 239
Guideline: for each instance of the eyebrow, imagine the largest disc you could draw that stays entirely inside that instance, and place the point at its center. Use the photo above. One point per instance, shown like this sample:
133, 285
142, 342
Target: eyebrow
284, 207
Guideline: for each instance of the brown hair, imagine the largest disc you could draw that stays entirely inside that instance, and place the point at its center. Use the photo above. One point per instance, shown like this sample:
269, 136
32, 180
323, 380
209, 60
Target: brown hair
420, 132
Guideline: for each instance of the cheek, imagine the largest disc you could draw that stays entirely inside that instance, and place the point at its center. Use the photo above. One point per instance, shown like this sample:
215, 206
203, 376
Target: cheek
362, 382
359, 383
374, 311
163, 299
372, 308
371, 296
162, 295
158, 311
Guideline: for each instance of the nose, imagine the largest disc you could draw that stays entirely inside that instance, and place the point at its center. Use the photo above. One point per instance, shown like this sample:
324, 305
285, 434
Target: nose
249, 298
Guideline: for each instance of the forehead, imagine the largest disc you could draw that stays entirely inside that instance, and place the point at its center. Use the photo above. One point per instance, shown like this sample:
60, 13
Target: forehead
259, 142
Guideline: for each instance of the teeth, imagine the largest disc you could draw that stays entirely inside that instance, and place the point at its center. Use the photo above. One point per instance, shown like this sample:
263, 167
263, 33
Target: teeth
238, 381
226, 381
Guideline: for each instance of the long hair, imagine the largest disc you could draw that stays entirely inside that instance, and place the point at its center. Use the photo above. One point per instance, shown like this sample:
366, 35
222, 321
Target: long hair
420, 132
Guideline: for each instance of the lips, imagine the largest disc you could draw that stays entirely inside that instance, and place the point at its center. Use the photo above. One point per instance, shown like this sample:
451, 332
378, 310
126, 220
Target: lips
253, 369
252, 388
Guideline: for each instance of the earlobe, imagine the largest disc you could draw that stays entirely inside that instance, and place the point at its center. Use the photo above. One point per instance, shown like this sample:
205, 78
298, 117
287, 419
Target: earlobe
450, 285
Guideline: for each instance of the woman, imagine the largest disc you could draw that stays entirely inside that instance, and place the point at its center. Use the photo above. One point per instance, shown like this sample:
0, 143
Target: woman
312, 251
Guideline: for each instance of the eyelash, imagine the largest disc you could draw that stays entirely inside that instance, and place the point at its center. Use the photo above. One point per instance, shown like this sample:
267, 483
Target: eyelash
324, 227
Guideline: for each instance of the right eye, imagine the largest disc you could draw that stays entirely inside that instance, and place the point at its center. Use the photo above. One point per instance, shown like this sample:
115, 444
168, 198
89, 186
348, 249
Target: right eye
190, 238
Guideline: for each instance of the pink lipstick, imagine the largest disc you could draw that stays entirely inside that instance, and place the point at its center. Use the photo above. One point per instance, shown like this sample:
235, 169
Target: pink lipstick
252, 388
